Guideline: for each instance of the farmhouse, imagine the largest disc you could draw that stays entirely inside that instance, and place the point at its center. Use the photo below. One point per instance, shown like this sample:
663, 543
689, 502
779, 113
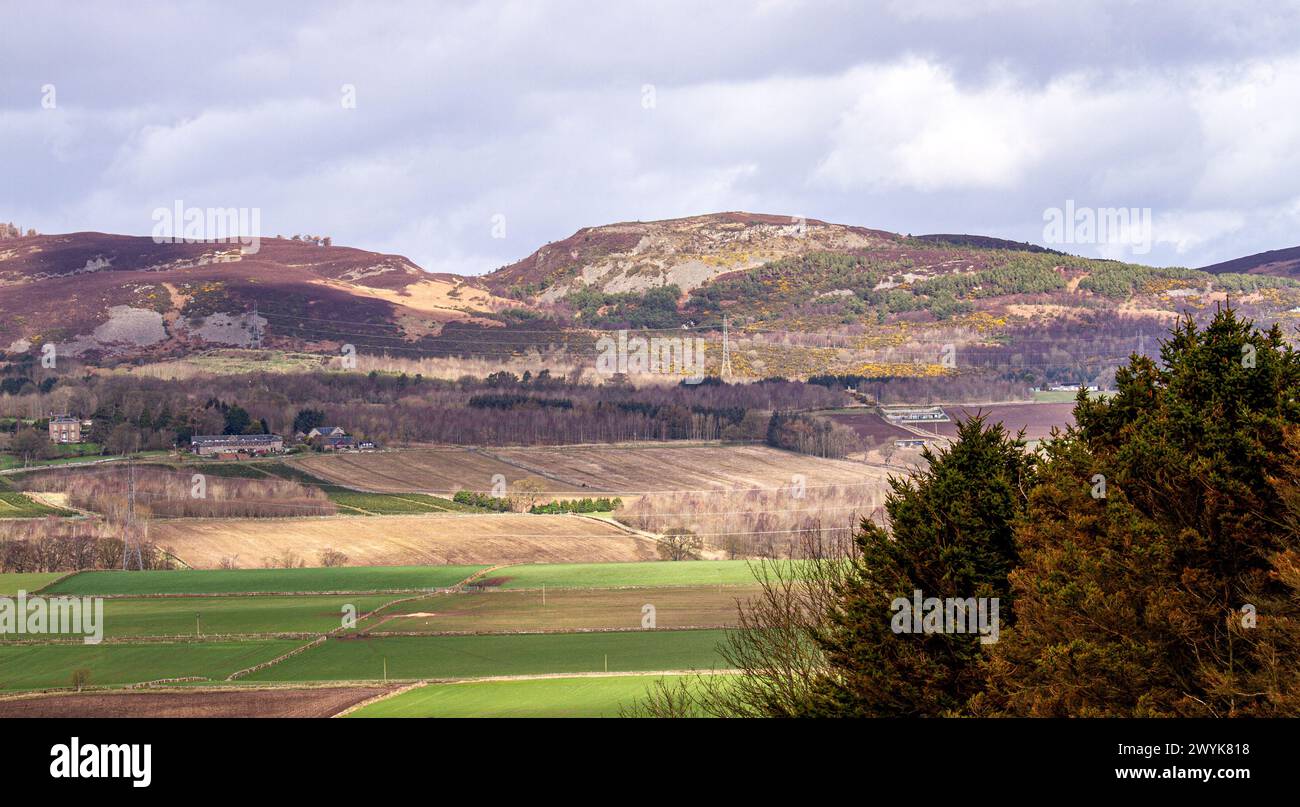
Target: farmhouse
335, 438
65, 429
234, 444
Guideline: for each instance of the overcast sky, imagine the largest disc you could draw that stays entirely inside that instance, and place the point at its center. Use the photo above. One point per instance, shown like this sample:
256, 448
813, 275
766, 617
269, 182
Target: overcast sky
915, 116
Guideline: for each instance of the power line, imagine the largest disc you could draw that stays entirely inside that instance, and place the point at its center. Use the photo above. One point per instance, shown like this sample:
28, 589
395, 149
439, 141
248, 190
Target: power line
129, 539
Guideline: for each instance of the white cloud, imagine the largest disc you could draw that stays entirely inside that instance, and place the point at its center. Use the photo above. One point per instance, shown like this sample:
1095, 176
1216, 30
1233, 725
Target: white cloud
911, 126
1188, 230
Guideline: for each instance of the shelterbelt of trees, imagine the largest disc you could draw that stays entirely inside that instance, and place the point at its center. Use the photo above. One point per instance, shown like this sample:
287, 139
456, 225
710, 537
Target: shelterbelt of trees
132, 412
1146, 562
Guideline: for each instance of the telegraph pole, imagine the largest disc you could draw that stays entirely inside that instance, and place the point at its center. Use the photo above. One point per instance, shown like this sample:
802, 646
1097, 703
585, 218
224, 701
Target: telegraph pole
257, 329
725, 370
128, 529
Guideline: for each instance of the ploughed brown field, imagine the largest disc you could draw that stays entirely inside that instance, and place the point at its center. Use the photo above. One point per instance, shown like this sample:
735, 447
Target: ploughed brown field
871, 426
314, 702
435, 470
1037, 419
565, 609
588, 469
433, 540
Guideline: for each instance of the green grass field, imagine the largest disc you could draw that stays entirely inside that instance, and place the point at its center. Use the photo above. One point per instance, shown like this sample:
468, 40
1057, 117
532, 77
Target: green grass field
177, 616
612, 575
412, 657
71, 455
256, 469
45, 666
226, 469
17, 505
12, 583
59, 453
575, 601
391, 504
548, 697
233, 581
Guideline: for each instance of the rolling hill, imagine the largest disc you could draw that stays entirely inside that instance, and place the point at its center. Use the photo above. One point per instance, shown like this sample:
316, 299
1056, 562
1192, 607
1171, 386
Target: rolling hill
767, 271
106, 297
687, 252
94, 294
1278, 262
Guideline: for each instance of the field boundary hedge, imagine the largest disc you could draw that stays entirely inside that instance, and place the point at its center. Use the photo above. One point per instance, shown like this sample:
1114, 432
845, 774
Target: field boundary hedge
259, 667
181, 680
59, 579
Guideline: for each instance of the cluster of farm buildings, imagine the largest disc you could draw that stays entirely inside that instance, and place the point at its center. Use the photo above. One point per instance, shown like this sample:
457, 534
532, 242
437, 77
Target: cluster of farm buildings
325, 438
66, 429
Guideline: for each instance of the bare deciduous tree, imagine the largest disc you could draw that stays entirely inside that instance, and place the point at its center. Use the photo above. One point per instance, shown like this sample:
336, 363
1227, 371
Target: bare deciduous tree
330, 557
525, 493
30, 445
80, 678
773, 650
288, 559
680, 543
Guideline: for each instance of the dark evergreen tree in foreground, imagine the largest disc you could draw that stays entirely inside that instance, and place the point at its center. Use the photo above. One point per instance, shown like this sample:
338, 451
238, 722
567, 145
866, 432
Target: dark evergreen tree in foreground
1159, 552
819, 639
951, 536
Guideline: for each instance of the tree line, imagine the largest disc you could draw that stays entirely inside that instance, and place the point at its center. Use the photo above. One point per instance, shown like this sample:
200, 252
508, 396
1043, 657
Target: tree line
132, 412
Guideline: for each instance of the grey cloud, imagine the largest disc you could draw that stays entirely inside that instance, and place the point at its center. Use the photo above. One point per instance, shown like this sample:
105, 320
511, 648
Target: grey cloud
534, 111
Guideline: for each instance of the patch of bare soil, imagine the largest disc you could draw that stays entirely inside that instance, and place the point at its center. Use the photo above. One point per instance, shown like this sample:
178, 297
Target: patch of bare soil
322, 702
